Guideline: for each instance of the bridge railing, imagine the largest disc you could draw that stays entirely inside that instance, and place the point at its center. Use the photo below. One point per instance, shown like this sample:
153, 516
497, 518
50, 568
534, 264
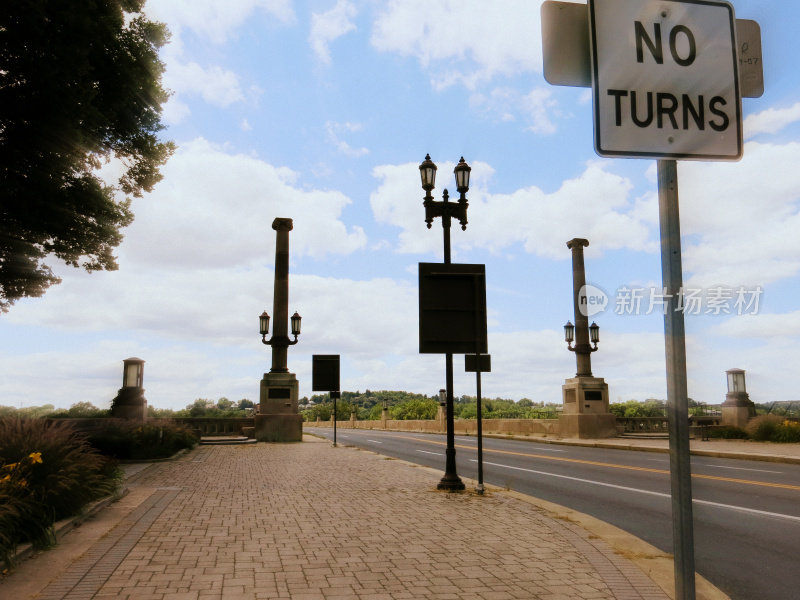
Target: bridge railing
210, 426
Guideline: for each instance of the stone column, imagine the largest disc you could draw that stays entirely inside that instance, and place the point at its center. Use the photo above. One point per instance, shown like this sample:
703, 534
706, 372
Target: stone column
280, 296
585, 413
583, 351
278, 418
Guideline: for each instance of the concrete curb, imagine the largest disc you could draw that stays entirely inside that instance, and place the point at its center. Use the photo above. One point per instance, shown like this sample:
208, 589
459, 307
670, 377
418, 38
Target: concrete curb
64, 526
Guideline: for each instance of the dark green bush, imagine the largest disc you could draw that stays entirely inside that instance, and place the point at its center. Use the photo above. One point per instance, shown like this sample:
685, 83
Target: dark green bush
727, 432
47, 472
763, 427
135, 441
787, 432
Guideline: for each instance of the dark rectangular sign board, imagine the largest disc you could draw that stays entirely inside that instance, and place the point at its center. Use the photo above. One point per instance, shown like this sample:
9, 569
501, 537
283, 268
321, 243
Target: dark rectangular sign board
325, 373
452, 308
471, 363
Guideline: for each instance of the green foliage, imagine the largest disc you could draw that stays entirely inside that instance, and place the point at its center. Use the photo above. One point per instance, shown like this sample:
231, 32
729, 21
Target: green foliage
635, 408
81, 410
47, 472
772, 428
787, 432
80, 84
415, 409
127, 440
27, 412
222, 408
727, 432
763, 427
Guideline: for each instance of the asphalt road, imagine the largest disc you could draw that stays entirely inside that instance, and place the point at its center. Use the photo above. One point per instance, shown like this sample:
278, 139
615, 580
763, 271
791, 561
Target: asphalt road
746, 513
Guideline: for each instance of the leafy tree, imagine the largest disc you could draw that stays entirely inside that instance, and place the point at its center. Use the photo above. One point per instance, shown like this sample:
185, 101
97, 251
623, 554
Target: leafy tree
244, 404
80, 84
81, 409
415, 409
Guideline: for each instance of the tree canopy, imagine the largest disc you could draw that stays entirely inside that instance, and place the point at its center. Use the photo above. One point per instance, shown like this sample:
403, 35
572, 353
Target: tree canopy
80, 84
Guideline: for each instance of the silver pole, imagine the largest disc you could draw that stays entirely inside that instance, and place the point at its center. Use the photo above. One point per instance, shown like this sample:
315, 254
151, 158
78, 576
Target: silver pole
677, 395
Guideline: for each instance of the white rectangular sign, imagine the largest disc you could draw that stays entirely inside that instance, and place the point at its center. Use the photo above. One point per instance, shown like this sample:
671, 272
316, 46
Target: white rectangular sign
665, 79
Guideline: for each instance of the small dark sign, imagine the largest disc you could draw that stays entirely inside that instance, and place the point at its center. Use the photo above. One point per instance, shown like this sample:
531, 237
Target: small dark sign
325, 373
452, 308
471, 363
279, 393
592, 395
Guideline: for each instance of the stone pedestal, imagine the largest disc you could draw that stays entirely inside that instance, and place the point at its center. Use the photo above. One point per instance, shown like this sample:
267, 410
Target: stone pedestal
585, 413
130, 403
278, 418
737, 409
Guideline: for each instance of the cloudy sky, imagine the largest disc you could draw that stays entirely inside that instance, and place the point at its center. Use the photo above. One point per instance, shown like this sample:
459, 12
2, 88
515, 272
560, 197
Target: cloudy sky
321, 111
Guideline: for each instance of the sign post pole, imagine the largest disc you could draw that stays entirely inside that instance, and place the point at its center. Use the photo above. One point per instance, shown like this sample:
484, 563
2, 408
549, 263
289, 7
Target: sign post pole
677, 394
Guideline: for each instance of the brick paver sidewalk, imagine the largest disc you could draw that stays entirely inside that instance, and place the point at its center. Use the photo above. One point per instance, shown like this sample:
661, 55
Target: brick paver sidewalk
309, 521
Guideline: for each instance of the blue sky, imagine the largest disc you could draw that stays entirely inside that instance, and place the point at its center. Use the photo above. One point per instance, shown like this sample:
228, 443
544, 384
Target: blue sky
321, 111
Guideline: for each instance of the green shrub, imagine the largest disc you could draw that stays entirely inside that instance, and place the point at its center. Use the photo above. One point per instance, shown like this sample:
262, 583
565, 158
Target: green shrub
787, 432
727, 432
135, 441
763, 427
47, 472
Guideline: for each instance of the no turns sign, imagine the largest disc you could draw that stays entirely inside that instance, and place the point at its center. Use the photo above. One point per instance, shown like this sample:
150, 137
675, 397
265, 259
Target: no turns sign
665, 79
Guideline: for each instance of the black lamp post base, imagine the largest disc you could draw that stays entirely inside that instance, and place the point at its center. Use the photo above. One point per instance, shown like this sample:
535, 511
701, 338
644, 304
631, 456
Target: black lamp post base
451, 483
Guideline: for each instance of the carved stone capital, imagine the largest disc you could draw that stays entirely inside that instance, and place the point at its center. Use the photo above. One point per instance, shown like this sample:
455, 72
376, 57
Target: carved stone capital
282, 224
577, 242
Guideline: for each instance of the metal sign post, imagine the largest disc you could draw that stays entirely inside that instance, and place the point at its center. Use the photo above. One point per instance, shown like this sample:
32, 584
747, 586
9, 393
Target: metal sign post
325, 378
479, 363
452, 319
677, 393
667, 78
334, 396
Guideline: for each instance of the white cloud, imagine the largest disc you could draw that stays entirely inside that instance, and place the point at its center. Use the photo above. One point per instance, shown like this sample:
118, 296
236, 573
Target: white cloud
329, 26
212, 21
334, 130
741, 219
216, 209
487, 39
217, 86
594, 205
215, 20
538, 108
771, 120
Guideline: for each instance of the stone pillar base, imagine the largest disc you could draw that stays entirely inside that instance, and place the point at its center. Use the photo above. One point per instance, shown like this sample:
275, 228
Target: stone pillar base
736, 416
278, 428
130, 403
587, 426
278, 419
585, 413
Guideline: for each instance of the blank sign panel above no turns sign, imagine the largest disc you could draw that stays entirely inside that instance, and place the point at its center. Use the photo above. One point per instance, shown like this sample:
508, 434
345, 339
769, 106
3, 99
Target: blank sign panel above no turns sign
665, 79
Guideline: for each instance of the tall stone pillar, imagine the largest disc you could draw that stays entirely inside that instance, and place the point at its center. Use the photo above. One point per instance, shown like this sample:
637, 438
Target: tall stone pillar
278, 418
585, 413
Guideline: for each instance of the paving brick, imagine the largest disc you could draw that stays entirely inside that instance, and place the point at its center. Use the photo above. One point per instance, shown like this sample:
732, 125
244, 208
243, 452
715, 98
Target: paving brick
309, 522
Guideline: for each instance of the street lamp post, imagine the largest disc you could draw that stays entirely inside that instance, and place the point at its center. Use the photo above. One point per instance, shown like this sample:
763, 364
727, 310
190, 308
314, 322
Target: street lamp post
585, 412
278, 418
447, 210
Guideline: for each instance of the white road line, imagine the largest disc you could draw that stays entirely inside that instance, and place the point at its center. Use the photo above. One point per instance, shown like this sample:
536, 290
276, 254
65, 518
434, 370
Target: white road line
375, 441
434, 453
752, 511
